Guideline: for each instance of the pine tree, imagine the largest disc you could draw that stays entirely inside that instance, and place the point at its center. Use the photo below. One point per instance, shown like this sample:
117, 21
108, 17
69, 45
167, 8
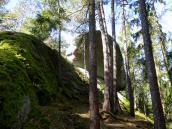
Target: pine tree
93, 91
127, 65
108, 104
159, 119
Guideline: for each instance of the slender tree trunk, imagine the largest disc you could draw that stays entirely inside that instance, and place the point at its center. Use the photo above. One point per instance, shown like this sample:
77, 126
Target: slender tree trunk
108, 104
59, 53
114, 55
117, 104
130, 89
159, 119
131, 96
60, 40
162, 39
166, 61
113, 23
60, 28
93, 91
111, 92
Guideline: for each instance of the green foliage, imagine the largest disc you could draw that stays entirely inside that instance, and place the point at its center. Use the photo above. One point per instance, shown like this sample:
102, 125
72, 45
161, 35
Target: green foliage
28, 67
54, 44
47, 21
42, 26
138, 63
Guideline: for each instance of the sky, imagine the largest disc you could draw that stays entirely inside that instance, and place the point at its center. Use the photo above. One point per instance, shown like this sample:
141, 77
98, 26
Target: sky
70, 36
165, 20
11, 4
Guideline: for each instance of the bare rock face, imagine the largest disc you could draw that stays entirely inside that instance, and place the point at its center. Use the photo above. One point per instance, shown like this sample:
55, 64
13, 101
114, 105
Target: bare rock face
82, 57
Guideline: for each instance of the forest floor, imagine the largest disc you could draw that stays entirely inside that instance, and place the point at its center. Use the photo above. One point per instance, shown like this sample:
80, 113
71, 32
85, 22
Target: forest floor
126, 122
78, 118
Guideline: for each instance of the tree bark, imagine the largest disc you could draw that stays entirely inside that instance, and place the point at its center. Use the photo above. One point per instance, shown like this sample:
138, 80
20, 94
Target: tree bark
114, 57
108, 104
93, 91
59, 56
166, 60
127, 65
117, 104
162, 39
159, 119
60, 40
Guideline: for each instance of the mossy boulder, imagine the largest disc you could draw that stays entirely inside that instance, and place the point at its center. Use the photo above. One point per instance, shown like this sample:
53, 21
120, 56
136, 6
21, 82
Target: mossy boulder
29, 68
82, 49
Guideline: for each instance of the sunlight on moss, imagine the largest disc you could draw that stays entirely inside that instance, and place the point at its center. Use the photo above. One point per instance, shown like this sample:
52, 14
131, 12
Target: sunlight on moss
83, 115
28, 67
169, 125
144, 116
124, 100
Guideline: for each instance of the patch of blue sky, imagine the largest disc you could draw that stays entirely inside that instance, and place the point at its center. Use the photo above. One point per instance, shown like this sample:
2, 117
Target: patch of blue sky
165, 15
164, 12
11, 4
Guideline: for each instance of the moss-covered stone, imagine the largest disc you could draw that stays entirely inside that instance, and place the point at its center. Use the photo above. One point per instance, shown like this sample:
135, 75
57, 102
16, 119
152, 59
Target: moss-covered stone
30, 68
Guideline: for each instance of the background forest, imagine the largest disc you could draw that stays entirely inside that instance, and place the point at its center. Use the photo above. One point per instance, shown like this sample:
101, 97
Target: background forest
124, 72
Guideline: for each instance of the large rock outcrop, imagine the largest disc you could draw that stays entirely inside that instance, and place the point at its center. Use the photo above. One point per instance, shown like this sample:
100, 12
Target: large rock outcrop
29, 80
82, 49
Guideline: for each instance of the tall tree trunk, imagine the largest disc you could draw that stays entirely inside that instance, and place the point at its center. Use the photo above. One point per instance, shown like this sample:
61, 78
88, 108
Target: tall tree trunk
60, 40
166, 59
127, 65
159, 119
113, 23
60, 27
59, 63
117, 104
162, 39
93, 91
116, 101
108, 104
114, 54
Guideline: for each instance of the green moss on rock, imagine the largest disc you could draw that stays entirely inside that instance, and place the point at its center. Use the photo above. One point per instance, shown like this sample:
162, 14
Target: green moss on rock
30, 68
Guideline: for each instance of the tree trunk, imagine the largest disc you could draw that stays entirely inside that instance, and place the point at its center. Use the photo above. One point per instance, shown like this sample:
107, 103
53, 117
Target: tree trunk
166, 61
116, 102
130, 89
60, 40
162, 39
59, 63
93, 91
159, 119
108, 104
131, 96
